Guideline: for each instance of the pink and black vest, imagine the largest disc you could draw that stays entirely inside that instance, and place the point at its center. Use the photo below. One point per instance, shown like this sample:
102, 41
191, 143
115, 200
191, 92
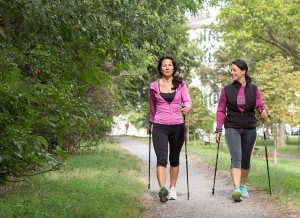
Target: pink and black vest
235, 118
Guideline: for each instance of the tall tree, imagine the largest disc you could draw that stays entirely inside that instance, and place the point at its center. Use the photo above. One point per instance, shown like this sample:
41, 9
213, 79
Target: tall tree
260, 29
279, 84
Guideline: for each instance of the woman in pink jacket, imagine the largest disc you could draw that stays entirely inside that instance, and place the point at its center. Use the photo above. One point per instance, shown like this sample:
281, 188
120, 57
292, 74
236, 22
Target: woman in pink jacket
169, 101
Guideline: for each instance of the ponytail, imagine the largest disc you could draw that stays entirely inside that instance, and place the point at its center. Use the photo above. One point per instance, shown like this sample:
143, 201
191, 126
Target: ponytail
176, 81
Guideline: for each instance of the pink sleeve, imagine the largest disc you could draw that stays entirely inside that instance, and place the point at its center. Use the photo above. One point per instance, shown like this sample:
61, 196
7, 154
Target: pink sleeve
186, 100
152, 105
221, 111
259, 101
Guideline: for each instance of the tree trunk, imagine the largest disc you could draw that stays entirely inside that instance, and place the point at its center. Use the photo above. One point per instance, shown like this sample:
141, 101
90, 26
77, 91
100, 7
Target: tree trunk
275, 155
275, 128
281, 135
275, 135
299, 140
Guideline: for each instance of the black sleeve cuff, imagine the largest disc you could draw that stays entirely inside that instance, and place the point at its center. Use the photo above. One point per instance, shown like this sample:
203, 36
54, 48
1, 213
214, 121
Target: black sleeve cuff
218, 132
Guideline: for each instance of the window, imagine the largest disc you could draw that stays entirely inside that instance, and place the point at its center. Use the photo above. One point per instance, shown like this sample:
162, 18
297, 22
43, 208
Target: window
203, 35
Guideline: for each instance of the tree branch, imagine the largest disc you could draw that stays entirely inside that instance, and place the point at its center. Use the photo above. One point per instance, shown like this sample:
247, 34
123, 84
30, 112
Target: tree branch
19, 178
283, 46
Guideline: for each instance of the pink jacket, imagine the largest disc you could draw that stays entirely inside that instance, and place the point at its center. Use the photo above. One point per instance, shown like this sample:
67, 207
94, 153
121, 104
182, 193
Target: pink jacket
162, 112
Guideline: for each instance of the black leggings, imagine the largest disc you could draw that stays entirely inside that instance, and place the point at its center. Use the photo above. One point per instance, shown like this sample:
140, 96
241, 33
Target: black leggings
240, 144
164, 135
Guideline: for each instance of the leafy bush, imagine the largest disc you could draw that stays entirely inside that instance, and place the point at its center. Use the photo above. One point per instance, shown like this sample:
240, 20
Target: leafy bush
67, 67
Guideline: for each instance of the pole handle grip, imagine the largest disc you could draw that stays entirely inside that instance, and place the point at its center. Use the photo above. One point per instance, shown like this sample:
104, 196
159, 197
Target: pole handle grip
262, 119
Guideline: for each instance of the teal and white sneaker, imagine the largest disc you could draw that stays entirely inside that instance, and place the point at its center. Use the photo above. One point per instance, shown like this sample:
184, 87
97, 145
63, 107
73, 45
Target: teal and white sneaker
236, 195
244, 192
163, 194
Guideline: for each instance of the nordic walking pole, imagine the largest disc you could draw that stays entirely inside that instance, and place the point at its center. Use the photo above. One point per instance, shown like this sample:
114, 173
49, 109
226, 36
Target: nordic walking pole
264, 130
149, 156
216, 166
186, 158
186, 161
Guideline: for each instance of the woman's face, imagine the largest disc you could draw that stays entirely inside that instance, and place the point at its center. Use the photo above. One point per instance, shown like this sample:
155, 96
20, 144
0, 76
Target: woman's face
167, 68
236, 73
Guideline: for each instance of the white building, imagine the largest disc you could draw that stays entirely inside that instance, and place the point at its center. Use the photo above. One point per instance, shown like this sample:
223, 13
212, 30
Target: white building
209, 43
199, 29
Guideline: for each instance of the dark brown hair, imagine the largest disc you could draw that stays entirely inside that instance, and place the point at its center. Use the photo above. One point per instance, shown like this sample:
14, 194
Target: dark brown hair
241, 64
176, 79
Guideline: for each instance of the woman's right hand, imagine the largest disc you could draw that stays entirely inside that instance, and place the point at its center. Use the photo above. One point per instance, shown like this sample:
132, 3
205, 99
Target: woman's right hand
263, 114
149, 129
184, 110
218, 137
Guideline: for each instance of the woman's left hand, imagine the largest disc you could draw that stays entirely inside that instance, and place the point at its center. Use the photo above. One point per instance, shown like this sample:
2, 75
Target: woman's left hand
184, 110
264, 114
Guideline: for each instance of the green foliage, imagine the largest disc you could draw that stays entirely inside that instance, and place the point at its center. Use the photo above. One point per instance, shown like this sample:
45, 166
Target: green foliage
279, 84
189, 61
260, 29
200, 117
139, 119
67, 67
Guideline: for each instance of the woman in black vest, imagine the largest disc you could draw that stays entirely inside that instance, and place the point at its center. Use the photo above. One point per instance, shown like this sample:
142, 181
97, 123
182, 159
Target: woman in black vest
236, 110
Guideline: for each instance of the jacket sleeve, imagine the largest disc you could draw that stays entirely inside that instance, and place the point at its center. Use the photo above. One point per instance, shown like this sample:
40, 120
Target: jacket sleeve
186, 100
221, 110
152, 105
259, 101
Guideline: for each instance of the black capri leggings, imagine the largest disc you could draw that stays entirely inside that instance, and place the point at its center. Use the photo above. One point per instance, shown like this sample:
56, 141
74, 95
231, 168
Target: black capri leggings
240, 143
164, 135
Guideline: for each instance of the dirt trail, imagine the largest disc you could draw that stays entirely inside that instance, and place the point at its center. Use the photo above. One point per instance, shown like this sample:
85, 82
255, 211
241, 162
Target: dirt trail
201, 203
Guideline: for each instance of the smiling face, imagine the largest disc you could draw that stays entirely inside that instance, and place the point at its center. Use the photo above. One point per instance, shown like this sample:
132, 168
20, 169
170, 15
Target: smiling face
237, 74
167, 68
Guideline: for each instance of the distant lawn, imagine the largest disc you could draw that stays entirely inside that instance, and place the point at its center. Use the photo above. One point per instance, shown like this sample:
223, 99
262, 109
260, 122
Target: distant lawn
101, 182
292, 140
291, 148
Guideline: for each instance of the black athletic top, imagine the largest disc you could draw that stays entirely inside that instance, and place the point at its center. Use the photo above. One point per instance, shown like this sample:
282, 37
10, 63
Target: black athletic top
168, 96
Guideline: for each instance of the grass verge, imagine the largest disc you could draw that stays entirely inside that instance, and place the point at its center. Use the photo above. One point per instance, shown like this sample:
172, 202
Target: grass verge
101, 182
292, 147
285, 180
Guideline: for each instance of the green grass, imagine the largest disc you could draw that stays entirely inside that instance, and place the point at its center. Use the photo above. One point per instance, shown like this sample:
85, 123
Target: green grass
285, 179
102, 182
292, 140
292, 147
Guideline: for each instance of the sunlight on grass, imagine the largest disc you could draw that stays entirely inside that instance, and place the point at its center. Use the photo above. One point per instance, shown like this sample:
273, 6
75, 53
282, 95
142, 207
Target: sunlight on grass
99, 183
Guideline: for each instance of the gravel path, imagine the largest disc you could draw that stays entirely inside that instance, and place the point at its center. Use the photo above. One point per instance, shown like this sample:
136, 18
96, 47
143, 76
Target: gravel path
201, 202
